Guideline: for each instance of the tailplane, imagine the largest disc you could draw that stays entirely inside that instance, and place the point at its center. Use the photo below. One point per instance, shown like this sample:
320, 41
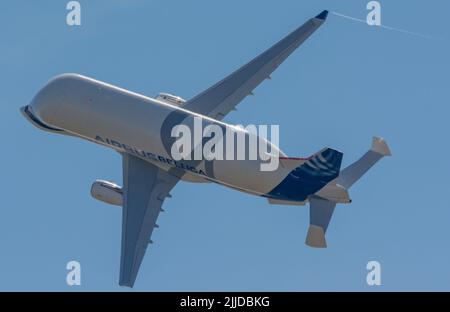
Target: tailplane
320, 213
323, 202
355, 171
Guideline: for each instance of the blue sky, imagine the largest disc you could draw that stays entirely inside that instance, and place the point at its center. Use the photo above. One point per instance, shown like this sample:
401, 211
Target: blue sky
346, 84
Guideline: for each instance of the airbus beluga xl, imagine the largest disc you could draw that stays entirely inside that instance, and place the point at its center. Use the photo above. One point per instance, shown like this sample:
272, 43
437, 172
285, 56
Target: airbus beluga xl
139, 128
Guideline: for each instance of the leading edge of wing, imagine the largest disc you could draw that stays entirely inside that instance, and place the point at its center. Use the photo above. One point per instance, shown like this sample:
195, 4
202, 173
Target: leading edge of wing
221, 98
145, 187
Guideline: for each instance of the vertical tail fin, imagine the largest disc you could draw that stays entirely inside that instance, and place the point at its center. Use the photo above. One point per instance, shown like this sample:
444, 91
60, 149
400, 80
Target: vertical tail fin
355, 171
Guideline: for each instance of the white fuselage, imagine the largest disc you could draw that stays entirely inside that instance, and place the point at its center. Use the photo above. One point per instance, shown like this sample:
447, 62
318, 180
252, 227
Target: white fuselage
132, 123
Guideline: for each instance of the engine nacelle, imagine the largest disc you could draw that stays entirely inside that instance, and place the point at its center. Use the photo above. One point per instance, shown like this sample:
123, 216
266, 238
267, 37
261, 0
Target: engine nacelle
107, 192
170, 99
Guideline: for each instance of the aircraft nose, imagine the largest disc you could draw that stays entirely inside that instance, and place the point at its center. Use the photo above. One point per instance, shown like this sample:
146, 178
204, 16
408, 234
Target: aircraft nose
47, 102
41, 108
48, 108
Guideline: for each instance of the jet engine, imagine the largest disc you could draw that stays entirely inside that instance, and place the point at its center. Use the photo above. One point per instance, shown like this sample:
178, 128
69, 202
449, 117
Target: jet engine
107, 192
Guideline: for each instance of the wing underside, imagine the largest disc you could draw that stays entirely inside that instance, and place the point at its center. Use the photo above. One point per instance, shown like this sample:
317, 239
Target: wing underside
145, 187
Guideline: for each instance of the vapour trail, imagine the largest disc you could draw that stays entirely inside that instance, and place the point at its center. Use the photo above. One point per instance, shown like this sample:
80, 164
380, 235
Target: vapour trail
383, 26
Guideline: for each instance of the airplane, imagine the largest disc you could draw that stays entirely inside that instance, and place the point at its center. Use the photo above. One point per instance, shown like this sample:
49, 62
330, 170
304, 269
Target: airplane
139, 128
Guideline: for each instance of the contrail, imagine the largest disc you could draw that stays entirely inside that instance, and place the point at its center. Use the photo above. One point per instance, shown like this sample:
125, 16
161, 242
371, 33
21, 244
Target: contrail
383, 26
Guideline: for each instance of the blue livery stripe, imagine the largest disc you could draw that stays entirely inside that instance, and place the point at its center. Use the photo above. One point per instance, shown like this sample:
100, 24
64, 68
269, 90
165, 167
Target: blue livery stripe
310, 177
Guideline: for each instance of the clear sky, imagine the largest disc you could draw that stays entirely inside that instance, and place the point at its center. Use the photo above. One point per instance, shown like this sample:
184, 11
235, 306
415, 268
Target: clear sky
347, 83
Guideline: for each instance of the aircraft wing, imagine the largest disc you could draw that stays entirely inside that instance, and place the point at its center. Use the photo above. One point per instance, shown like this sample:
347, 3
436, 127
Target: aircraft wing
145, 187
223, 97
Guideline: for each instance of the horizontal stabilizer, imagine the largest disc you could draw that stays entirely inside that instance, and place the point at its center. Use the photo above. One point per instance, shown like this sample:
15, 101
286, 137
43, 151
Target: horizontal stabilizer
316, 237
320, 213
379, 146
355, 171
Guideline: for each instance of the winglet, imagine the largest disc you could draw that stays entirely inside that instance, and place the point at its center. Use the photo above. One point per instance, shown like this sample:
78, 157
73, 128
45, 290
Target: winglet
323, 15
